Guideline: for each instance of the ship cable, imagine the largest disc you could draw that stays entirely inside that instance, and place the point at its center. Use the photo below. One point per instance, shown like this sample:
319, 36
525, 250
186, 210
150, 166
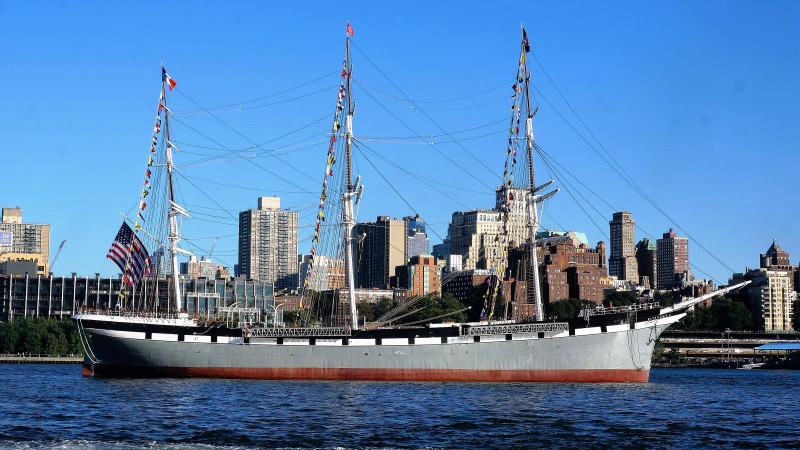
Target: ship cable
432, 146
420, 109
624, 175
85, 342
259, 98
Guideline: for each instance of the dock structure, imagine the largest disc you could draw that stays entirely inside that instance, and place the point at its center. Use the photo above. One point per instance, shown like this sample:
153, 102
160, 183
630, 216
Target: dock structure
40, 359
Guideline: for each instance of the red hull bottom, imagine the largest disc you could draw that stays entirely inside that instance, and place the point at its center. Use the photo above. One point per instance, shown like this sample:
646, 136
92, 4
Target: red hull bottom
562, 376
271, 373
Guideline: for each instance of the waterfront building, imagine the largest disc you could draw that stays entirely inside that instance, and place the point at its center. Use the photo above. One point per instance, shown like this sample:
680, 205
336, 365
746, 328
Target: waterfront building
770, 296
24, 242
460, 284
442, 251
646, 263
777, 259
622, 252
204, 268
568, 268
476, 234
62, 297
418, 242
382, 246
327, 273
672, 259
420, 276
573, 269
268, 244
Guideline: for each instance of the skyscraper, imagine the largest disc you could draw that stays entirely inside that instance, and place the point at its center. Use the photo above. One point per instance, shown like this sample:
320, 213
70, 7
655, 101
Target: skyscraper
477, 234
776, 259
672, 259
24, 241
268, 244
622, 254
381, 247
646, 261
418, 242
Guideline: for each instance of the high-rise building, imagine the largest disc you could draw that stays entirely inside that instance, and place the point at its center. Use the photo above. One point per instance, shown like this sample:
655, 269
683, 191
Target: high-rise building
326, 274
477, 235
420, 276
24, 241
572, 269
442, 251
204, 268
418, 242
646, 262
622, 253
776, 259
268, 244
381, 247
771, 297
672, 260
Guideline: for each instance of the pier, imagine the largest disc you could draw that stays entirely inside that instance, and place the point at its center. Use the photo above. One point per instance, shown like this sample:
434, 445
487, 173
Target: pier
41, 359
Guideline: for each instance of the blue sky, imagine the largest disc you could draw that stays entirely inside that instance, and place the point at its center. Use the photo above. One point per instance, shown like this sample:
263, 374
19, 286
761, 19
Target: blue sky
697, 101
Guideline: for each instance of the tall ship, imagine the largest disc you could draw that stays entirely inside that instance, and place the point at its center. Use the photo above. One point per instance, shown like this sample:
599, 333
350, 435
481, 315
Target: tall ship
143, 336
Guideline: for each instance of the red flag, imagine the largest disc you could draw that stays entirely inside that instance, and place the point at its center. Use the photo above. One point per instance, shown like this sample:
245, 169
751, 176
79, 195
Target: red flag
349, 29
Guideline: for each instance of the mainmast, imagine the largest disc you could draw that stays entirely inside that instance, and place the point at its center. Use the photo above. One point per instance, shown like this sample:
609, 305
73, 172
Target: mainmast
533, 198
347, 198
172, 215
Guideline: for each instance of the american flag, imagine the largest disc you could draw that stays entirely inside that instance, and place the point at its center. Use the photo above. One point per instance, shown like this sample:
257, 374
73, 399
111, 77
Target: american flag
130, 255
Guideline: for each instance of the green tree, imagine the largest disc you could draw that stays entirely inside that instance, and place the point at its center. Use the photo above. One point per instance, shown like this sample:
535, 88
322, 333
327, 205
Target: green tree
567, 308
796, 315
621, 298
664, 298
436, 310
724, 313
658, 353
9, 337
475, 301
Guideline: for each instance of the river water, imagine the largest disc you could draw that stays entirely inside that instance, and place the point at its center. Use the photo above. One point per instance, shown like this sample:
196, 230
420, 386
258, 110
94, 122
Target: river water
52, 406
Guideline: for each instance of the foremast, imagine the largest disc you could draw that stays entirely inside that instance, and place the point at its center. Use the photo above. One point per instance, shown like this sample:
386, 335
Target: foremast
347, 198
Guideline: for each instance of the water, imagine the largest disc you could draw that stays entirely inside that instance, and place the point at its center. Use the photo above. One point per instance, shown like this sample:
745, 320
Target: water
52, 406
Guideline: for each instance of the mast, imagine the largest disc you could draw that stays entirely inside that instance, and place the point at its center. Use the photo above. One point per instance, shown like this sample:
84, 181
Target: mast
172, 215
533, 219
347, 198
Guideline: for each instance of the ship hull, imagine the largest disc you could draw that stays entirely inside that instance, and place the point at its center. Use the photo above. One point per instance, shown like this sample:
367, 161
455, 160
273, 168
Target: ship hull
618, 353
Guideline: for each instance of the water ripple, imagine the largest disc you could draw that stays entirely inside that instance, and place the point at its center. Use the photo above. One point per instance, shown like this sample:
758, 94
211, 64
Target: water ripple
53, 407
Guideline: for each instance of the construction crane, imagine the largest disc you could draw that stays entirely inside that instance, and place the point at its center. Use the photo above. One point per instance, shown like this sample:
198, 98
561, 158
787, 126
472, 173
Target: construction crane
212, 248
58, 252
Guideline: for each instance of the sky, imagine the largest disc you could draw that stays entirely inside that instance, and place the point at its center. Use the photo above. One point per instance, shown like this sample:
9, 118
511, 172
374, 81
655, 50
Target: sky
696, 101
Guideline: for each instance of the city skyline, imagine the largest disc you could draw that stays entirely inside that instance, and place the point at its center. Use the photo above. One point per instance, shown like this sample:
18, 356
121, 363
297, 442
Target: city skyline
695, 111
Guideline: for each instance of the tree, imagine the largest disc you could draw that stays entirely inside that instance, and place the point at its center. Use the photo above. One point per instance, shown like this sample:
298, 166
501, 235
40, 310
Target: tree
796, 315
567, 308
664, 298
475, 301
433, 308
621, 298
724, 313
